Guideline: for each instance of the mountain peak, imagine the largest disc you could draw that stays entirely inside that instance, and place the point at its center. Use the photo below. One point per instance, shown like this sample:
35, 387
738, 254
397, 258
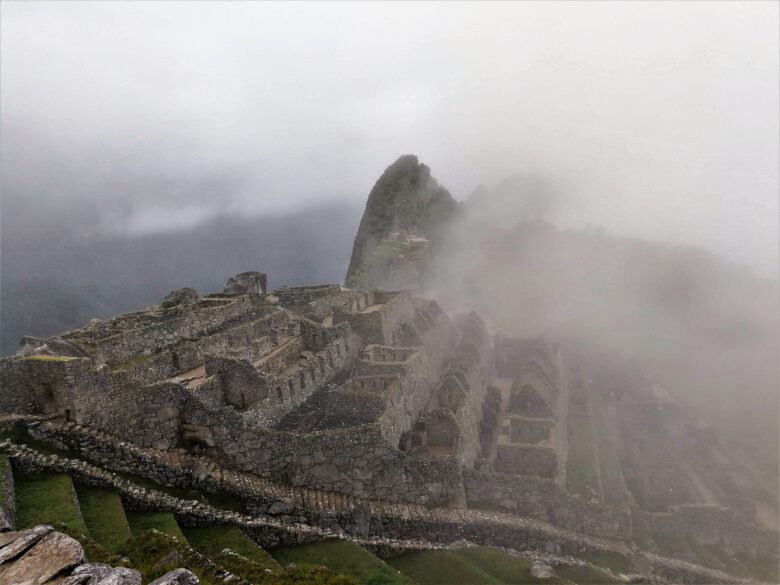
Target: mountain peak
406, 202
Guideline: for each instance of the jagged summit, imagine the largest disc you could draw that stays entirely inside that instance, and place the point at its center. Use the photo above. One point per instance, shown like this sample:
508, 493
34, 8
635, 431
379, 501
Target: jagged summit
406, 206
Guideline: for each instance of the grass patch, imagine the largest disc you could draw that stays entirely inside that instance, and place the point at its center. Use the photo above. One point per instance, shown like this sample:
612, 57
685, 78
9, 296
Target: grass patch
581, 475
674, 545
104, 516
705, 556
213, 540
162, 521
609, 560
147, 549
47, 498
584, 575
766, 569
343, 557
732, 565
96, 552
132, 362
502, 566
442, 567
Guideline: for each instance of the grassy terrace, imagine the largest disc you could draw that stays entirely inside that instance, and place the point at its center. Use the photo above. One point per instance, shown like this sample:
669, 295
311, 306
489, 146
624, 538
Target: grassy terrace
483, 565
765, 569
148, 550
581, 476
441, 567
104, 516
609, 560
163, 521
130, 363
500, 566
47, 498
479, 565
583, 575
343, 557
211, 541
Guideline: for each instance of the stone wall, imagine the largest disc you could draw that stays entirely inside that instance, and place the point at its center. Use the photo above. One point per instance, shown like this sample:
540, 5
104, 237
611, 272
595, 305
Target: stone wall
713, 525
295, 296
173, 325
522, 459
7, 496
241, 384
382, 326
544, 499
34, 384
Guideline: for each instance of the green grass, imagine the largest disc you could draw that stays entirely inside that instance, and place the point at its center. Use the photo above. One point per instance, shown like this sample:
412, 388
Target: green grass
104, 516
131, 362
96, 552
47, 498
584, 575
609, 560
213, 540
581, 475
766, 569
147, 549
732, 565
501, 566
163, 521
674, 545
343, 557
442, 567
705, 556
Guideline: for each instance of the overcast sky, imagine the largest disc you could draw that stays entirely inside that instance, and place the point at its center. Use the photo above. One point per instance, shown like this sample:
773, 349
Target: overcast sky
652, 119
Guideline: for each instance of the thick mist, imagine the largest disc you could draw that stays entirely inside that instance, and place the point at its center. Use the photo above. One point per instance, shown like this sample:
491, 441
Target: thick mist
704, 329
658, 120
147, 146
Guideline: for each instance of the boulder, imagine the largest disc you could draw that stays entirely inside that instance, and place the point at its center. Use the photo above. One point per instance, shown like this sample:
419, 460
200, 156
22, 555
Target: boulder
100, 574
22, 541
177, 577
180, 296
247, 283
120, 576
52, 555
542, 570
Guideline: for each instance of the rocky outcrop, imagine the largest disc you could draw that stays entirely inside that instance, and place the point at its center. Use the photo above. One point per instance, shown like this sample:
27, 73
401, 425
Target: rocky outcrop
177, 577
54, 346
42, 555
247, 283
180, 296
405, 201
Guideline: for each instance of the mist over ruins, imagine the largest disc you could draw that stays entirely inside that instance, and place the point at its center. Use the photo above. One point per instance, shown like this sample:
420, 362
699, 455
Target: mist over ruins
480, 389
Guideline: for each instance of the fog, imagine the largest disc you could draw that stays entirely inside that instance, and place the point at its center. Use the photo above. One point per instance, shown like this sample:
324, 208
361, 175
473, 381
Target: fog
152, 145
655, 119
617, 167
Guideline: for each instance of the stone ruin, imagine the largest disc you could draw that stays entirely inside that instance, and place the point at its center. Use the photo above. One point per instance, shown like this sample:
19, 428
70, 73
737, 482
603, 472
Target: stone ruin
357, 393
372, 412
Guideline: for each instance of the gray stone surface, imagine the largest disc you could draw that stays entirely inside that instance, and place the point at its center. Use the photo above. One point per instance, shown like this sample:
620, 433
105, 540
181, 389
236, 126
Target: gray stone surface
52, 555
177, 577
23, 541
247, 282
